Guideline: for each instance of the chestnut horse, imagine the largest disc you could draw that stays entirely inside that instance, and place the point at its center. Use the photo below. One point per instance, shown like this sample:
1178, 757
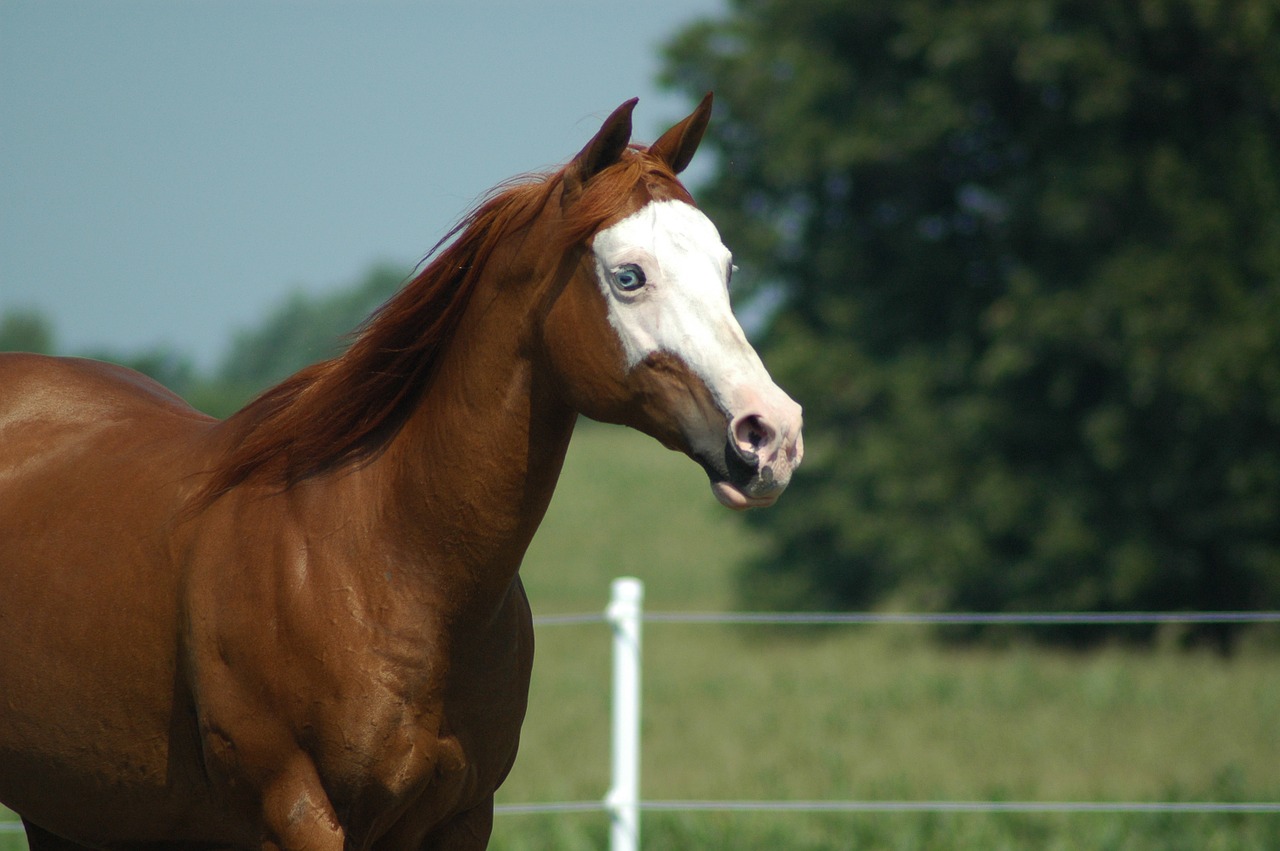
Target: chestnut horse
303, 627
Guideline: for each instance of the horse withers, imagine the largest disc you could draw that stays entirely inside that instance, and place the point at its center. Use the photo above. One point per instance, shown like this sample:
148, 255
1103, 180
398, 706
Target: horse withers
303, 627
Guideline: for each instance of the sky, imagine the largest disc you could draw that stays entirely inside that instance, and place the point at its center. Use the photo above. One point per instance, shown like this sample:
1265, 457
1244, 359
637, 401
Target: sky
170, 171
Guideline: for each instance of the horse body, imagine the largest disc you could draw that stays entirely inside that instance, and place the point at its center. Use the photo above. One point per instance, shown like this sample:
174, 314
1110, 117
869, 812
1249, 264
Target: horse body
304, 627
273, 642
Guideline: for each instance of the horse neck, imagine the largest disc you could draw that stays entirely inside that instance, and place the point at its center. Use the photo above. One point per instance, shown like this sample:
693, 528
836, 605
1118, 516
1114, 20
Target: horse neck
469, 477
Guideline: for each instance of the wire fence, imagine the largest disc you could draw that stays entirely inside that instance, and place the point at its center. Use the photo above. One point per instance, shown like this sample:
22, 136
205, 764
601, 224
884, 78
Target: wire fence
981, 807
625, 810
929, 618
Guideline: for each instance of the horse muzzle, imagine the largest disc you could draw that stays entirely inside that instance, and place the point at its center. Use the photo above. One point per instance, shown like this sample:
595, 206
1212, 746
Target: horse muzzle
762, 449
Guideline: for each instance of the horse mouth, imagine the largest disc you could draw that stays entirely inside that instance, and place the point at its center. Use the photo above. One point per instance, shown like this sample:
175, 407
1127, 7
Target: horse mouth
739, 484
730, 496
752, 464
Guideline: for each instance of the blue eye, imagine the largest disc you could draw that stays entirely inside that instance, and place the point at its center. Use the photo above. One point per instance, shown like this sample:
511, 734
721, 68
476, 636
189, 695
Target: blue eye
629, 277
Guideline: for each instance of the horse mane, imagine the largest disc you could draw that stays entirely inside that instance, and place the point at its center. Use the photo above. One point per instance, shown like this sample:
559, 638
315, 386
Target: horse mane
346, 410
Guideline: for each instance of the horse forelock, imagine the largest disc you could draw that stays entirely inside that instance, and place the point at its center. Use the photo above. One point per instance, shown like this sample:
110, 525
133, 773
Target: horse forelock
346, 410
620, 190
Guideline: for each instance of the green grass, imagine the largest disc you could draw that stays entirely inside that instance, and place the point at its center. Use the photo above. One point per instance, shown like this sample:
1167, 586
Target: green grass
11, 841
873, 713
870, 713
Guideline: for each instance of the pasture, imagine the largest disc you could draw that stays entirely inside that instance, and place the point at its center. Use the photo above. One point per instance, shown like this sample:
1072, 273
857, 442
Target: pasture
869, 713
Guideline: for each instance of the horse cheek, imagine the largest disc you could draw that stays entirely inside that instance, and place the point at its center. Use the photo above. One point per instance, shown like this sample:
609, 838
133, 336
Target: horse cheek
584, 355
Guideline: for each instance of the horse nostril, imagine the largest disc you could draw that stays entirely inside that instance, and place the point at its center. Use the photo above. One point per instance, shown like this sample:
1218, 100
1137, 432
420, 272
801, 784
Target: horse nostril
751, 436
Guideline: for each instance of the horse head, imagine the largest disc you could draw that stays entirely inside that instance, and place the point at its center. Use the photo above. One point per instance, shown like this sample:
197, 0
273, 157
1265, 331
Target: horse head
642, 332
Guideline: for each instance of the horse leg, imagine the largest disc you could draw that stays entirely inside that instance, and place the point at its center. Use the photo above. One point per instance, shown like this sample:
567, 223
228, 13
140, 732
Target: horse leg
466, 831
298, 814
39, 839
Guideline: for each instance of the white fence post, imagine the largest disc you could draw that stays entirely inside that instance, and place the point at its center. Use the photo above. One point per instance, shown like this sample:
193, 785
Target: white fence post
623, 800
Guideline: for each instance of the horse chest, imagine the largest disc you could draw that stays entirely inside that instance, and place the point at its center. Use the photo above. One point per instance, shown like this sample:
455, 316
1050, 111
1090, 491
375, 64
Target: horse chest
401, 771
382, 767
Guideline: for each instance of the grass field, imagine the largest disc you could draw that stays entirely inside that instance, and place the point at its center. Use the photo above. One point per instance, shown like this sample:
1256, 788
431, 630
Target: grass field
871, 713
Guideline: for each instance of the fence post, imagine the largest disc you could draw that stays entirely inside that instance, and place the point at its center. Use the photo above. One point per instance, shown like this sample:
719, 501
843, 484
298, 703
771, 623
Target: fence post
623, 800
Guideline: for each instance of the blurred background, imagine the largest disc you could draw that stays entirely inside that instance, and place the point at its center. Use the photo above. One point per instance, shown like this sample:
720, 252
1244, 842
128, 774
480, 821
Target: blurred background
1020, 262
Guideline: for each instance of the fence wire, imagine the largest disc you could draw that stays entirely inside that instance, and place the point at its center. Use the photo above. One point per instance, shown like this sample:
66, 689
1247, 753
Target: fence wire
1029, 807
918, 618
926, 618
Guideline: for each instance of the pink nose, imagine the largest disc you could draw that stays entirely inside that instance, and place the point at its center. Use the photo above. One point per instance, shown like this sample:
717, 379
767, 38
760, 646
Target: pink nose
768, 439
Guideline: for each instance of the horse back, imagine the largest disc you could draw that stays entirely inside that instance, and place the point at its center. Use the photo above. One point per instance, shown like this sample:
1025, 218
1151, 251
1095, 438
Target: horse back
95, 461
74, 431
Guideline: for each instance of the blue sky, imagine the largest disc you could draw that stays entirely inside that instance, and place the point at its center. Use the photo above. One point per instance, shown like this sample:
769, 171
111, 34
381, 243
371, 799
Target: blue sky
171, 171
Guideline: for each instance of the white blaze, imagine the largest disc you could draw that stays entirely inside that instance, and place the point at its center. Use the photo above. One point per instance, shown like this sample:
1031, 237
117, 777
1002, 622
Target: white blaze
683, 307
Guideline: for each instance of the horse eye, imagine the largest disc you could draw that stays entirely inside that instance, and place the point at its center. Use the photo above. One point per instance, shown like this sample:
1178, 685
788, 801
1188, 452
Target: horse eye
629, 277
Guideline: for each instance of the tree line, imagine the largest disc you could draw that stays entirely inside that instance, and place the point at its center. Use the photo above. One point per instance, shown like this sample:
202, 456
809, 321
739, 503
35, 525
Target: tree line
304, 329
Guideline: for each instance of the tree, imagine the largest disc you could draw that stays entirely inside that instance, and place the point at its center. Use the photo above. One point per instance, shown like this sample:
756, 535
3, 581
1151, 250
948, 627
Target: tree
26, 331
1029, 254
303, 330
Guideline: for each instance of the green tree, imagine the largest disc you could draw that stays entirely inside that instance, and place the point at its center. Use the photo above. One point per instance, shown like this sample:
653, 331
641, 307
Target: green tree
1029, 255
26, 331
302, 331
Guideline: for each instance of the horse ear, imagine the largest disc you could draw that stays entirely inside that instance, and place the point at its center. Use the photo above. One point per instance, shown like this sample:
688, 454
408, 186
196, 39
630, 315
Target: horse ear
606, 147
677, 145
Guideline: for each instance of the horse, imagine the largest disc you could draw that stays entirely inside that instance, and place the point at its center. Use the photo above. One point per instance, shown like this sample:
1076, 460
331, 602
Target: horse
303, 626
